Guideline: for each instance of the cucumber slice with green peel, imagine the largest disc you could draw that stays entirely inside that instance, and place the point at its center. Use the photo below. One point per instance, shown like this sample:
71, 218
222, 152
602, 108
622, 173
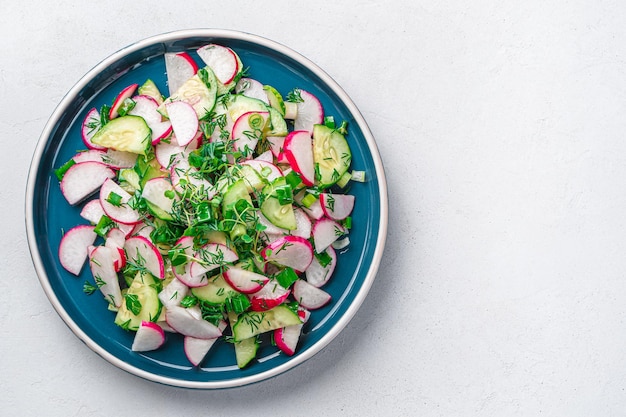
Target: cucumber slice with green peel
281, 215
238, 104
331, 154
277, 125
150, 89
253, 323
235, 192
215, 292
275, 99
245, 351
125, 133
141, 303
199, 91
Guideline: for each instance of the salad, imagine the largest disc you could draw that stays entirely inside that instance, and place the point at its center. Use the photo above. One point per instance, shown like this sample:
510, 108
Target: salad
218, 210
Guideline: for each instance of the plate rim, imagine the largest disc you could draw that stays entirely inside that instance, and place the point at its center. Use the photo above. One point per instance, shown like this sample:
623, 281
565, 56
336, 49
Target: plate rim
38, 154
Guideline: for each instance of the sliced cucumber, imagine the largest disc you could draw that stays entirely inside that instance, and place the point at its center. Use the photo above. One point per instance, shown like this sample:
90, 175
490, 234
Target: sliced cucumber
275, 99
239, 104
253, 323
235, 192
277, 125
200, 91
150, 89
331, 155
141, 294
245, 351
281, 215
125, 133
215, 292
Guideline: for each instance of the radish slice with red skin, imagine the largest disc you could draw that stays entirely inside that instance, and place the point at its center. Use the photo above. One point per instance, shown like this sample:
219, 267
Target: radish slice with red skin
115, 240
318, 275
119, 100
266, 170
191, 175
197, 349
142, 229
276, 146
266, 156
90, 126
121, 213
161, 131
291, 251
303, 224
140, 251
91, 155
286, 338
102, 264
74, 247
309, 296
186, 324
184, 121
173, 293
179, 68
337, 206
268, 297
83, 179
156, 191
222, 61
182, 272
247, 131
310, 112
146, 107
325, 232
298, 149
149, 336
210, 257
314, 211
244, 281
92, 211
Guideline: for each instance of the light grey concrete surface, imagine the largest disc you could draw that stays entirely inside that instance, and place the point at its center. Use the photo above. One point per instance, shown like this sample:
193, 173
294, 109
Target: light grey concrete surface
502, 126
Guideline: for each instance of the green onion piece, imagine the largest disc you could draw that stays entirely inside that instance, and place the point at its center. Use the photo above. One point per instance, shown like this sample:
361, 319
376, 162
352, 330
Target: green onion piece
343, 129
127, 105
115, 199
132, 303
237, 303
309, 200
104, 225
344, 180
323, 258
203, 212
358, 176
60, 172
293, 179
286, 277
347, 222
329, 122
284, 195
189, 301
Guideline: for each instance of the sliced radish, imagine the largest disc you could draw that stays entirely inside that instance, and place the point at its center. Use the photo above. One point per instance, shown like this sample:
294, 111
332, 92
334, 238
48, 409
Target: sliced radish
84, 179
184, 121
266, 156
268, 297
318, 275
90, 126
173, 293
276, 146
309, 296
122, 212
115, 240
140, 251
142, 229
157, 191
265, 170
181, 272
91, 155
119, 100
149, 336
210, 257
92, 211
146, 107
325, 232
186, 324
286, 338
310, 112
102, 264
179, 68
244, 281
247, 131
196, 349
161, 131
73, 249
183, 171
222, 61
251, 88
291, 251
298, 149
168, 154
337, 206
303, 224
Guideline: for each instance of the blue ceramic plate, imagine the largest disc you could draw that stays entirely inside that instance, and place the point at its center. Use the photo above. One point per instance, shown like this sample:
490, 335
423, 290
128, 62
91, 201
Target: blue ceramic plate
48, 214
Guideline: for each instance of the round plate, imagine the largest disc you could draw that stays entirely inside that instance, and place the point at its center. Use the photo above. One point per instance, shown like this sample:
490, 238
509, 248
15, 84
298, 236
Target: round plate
48, 214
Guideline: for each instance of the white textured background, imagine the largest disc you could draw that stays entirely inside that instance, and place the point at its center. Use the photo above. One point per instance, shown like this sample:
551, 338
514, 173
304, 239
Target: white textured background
502, 128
